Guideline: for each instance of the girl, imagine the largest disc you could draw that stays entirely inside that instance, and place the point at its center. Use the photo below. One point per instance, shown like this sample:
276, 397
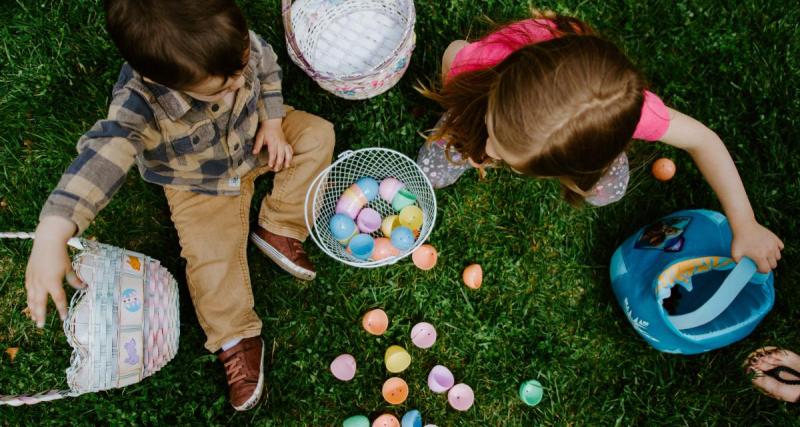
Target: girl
549, 98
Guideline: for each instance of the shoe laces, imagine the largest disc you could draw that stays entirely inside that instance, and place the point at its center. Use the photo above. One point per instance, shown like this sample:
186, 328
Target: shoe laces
235, 369
298, 247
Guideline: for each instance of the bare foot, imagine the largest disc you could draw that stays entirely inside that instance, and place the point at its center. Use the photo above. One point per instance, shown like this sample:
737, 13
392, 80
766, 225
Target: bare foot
767, 358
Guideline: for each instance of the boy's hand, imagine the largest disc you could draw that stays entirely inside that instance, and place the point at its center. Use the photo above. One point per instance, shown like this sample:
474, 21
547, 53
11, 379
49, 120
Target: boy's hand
280, 152
756, 242
48, 264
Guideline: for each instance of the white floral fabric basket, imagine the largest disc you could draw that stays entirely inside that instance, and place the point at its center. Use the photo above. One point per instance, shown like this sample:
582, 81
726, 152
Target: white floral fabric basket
123, 327
355, 49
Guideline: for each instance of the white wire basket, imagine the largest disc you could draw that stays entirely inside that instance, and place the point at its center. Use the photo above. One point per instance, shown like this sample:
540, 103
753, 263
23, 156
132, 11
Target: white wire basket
123, 327
377, 163
355, 49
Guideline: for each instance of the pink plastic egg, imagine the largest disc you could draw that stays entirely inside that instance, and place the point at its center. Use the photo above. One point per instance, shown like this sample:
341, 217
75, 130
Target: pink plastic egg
473, 276
383, 249
375, 321
461, 397
386, 420
369, 220
423, 335
344, 367
425, 257
440, 379
389, 188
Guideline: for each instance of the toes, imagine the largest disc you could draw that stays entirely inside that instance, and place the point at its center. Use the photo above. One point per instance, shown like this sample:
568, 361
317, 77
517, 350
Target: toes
775, 389
763, 364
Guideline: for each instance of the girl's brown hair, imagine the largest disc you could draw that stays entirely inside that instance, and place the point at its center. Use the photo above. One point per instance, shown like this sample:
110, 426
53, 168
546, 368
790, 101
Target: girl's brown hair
563, 108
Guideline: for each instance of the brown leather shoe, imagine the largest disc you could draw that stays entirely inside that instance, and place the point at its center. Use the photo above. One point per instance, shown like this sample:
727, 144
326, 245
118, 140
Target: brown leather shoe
244, 367
288, 253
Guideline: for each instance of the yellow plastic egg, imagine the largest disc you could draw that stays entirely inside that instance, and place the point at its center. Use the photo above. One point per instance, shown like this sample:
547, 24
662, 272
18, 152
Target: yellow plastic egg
395, 391
397, 359
375, 321
473, 276
411, 217
390, 223
425, 257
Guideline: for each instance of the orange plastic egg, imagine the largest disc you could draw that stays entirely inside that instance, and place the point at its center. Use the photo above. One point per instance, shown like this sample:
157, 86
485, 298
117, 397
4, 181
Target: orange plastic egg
664, 169
473, 276
375, 321
395, 390
383, 249
425, 257
386, 420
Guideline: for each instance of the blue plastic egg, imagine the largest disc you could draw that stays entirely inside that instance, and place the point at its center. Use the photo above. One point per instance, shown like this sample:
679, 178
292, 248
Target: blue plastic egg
403, 238
369, 186
361, 246
342, 228
412, 418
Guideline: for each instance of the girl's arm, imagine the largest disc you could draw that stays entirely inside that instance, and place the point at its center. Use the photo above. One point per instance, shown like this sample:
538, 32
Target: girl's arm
750, 238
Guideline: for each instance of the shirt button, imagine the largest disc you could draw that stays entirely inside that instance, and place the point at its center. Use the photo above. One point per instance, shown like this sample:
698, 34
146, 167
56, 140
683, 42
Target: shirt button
240, 162
215, 108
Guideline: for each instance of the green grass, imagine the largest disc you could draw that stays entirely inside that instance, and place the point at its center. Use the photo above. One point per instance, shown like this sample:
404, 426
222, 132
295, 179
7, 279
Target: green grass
546, 310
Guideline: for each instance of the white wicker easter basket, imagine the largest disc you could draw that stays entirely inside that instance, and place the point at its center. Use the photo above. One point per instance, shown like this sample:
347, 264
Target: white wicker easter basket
355, 49
123, 327
377, 163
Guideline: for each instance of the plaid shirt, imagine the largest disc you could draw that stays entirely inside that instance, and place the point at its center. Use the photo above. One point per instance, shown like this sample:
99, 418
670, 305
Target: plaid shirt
175, 140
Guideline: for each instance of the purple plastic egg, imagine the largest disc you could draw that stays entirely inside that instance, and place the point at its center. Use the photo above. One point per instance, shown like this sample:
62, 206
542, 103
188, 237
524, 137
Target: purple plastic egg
461, 397
423, 335
369, 220
344, 367
440, 379
389, 188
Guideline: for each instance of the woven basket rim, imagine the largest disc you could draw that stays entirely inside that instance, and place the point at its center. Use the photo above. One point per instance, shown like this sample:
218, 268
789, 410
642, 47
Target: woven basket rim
306, 66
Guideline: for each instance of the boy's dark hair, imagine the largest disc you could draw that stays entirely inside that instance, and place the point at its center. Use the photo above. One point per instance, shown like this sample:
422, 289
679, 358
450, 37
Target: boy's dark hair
178, 43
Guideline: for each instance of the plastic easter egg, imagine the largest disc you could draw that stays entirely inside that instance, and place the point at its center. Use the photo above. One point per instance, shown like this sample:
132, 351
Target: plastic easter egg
342, 228
440, 379
461, 397
531, 392
402, 199
411, 217
361, 246
344, 367
356, 421
411, 418
397, 359
384, 249
664, 169
403, 238
369, 187
423, 335
386, 420
369, 220
425, 257
389, 224
375, 321
395, 391
473, 276
389, 188
351, 202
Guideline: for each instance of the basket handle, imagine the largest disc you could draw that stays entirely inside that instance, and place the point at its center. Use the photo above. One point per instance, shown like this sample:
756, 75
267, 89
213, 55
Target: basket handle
286, 12
734, 284
24, 399
73, 242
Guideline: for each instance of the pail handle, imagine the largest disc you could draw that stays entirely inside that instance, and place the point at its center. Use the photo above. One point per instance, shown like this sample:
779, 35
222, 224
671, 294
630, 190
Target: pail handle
733, 285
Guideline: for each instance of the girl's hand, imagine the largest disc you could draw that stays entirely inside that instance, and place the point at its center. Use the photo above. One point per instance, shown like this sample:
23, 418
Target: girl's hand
48, 264
756, 242
280, 152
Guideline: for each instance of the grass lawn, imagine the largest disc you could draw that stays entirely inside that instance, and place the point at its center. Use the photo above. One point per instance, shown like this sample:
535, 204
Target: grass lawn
546, 310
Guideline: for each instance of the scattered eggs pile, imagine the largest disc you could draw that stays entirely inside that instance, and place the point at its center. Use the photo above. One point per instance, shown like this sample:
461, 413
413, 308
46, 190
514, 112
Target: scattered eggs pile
354, 223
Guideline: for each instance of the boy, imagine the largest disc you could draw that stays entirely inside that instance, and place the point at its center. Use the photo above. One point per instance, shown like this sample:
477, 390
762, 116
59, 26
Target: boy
196, 102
